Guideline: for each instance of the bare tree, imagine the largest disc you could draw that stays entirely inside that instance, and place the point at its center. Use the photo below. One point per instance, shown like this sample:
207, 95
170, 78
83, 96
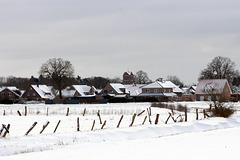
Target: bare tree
58, 71
219, 68
141, 77
175, 80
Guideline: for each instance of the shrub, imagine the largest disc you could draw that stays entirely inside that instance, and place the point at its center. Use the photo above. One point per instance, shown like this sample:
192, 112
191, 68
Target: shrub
222, 111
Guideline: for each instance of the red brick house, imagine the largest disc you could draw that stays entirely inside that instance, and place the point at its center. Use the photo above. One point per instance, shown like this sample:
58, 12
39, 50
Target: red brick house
213, 89
11, 93
38, 92
128, 78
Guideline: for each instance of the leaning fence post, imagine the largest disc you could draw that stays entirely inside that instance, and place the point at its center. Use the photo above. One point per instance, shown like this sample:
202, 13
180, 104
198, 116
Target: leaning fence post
56, 126
120, 121
34, 124
7, 130
141, 113
133, 118
157, 117
1, 129
168, 118
98, 114
44, 126
144, 120
19, 113
104, 123
67, 111
149, 116
93, 125
84, 112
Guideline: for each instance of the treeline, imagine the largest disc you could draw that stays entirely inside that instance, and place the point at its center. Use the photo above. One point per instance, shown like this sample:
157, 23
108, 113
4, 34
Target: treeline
23, 83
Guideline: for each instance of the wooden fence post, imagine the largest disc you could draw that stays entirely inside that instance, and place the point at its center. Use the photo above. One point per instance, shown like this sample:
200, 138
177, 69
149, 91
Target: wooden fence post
98, 114
25, 110
56, 126
168, 118
19, 113
4, 113
149, 116
67, 111
141, 113
34, 124
196, 113
93, 125
104, 123
78, 126
47, 111
7, 130
133, 118
157, 117
44, 126
1, 130
84, 112
120, 121
144, 120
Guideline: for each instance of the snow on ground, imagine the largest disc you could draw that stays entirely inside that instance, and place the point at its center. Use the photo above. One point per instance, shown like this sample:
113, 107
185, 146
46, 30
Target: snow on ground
212, 137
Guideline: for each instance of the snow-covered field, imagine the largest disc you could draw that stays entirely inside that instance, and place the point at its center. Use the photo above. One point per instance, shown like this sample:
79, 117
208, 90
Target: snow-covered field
203, 138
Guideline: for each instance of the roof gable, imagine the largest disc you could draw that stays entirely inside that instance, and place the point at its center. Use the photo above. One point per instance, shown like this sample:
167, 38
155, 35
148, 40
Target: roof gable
82, 89
153, 85
117, 87
211, 86
43, 91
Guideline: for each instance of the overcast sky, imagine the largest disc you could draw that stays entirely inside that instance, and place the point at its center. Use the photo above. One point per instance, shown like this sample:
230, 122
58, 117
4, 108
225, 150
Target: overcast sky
108, 37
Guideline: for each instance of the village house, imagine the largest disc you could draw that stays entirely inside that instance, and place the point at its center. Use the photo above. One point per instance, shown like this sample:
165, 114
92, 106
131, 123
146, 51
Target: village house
38, 93
114, 90
11, 93
189, 93
213, 89
160, 90
134, 90
128, 78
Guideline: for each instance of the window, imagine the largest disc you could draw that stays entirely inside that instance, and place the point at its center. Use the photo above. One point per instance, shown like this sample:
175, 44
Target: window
9, 94
209, 98
3, 94
156, 90
28, 94
147, 91
111, 91
34, 94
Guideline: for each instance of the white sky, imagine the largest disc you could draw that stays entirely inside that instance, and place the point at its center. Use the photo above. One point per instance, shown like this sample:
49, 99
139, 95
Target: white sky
106, 38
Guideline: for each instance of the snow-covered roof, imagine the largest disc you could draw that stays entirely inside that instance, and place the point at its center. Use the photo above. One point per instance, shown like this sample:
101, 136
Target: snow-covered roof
211, 85
11, 88
43, 91
169, 84
153, 85
134, 89
82, 89
117, 87
164, 84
